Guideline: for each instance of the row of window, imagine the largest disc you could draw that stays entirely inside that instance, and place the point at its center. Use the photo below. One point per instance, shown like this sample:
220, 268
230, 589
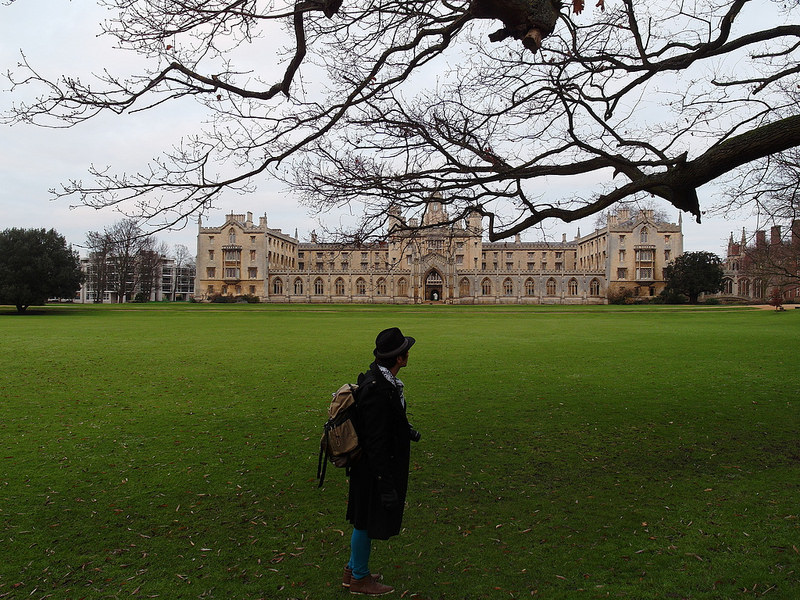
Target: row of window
464, 287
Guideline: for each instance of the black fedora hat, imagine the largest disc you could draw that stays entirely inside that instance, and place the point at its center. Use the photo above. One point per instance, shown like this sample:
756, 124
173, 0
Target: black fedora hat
391, 342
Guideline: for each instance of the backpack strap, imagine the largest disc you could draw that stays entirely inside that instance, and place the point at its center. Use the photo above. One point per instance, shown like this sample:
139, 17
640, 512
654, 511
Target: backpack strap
322, 464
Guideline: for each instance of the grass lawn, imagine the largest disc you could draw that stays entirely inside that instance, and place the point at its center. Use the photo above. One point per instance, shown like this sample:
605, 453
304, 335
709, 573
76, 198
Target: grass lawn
169, 451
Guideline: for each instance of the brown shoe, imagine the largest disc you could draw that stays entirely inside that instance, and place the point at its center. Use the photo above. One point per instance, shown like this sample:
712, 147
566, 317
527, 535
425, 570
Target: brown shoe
368, 585
347, 576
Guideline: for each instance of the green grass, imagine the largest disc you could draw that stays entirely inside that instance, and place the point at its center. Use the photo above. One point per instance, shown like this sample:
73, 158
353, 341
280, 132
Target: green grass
568, 452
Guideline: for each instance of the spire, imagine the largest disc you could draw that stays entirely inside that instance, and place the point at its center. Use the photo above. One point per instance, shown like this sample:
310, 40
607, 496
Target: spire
744, 238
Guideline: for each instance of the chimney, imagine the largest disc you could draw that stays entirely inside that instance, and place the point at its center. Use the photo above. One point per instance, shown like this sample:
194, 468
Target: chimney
796, 232
775, 235
761, 238
249, 222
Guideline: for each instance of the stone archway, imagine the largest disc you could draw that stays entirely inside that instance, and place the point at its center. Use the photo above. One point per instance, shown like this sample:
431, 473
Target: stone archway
434, 286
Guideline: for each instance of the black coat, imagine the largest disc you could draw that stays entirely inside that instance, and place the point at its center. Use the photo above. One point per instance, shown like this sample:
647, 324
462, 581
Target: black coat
384, 435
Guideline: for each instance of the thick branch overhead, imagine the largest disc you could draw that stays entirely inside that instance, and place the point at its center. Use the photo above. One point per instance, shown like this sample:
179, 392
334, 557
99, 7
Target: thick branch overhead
521, 110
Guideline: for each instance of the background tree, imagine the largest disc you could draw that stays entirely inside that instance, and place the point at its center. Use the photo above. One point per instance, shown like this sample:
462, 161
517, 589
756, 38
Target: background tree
694, 273
184, 260
36, 265
99, 265
520, 109
126, 256
775, 264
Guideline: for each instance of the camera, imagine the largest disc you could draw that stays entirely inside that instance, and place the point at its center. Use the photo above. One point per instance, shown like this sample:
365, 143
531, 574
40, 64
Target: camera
413, 434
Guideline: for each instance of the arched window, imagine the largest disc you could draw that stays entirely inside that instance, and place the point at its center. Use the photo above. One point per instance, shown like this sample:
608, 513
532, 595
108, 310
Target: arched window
319, 286
530, 287
380, 287
361, 286
744, 287
551, 287
727, 285
486, 287
434, 278
643, 235
758, 288
572, 286
463, 287
338, 285
298, 286
594, 288
277, 286
508, 286
402, 287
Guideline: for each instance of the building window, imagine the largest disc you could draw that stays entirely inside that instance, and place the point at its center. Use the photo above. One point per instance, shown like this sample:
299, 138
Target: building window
622, 273
644, 273
231, 273
319, 286
361, 286
210, 255
210, 289
211, 272
508, 287
643, 235
252, 239
744, 287
298, 286
667, 255
277, 286
572, 287
459, 259
402, 287
551, 287
253, 290
530, 287
232, 236
622, 256
463, 287
727, 286
594, 288
486, 287
211, 239
252, 254
252, 272
380, 287
339, 286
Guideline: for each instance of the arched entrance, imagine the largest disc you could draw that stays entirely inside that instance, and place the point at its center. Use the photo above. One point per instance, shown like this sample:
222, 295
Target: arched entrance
433, 286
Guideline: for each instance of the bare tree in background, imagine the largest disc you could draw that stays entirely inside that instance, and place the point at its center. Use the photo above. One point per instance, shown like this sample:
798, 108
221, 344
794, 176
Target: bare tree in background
122, 257
521, 110
184, 259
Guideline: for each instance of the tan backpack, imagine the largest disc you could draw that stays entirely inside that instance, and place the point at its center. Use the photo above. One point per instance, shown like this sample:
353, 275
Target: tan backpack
339, 443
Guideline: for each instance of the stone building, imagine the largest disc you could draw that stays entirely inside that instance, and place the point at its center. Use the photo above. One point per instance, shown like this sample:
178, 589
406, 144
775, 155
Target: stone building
754, 271
435, 261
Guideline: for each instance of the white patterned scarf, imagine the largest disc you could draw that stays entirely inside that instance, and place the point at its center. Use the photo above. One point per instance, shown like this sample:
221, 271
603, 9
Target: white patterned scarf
395, 382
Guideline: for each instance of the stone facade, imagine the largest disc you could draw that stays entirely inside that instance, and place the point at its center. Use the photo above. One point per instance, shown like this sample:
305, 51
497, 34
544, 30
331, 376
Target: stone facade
434, 261
752, 272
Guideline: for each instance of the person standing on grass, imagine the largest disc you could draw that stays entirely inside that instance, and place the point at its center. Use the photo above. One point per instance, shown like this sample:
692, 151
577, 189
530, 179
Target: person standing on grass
379, 480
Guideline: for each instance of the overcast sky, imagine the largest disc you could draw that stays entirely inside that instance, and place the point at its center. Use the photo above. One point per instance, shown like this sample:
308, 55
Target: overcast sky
62, 37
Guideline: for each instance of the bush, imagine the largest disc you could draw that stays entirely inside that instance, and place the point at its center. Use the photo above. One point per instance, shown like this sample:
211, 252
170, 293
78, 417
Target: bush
249, 298
672, 297
220, 299
620, 296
